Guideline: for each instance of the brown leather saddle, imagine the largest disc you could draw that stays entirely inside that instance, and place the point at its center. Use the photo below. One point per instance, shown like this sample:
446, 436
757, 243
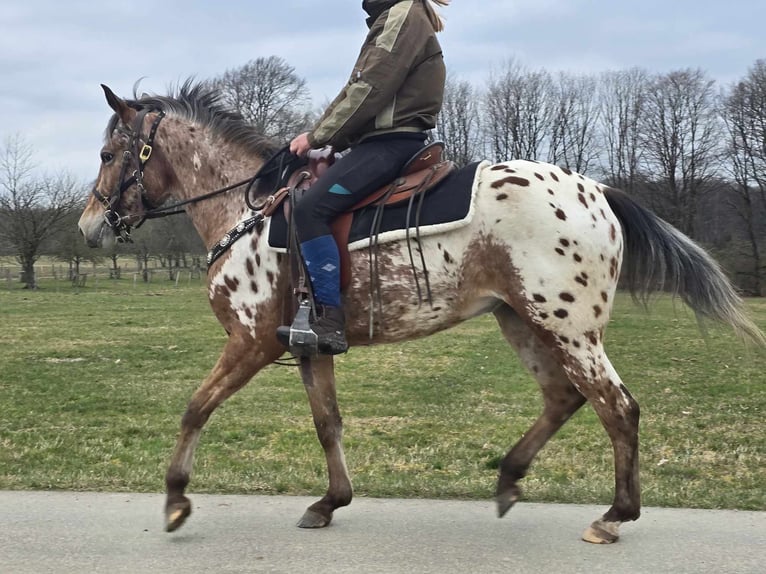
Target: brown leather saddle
423, 171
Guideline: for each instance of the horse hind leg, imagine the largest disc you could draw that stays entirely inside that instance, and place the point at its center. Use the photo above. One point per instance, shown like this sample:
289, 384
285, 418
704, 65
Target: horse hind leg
237, 364
595, 377
560, 401
319, 381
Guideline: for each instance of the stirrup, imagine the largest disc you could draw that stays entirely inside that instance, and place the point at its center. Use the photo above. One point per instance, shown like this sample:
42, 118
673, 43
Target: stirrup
299, 338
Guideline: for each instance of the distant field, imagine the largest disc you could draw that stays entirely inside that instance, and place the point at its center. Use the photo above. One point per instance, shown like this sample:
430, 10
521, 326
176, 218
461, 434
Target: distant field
93, 382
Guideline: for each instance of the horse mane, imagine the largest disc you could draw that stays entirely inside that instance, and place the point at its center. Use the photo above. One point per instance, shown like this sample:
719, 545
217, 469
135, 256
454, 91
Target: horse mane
202, 104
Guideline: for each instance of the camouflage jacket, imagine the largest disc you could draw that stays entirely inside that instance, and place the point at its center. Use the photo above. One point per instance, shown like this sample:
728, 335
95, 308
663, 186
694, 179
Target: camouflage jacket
397, 84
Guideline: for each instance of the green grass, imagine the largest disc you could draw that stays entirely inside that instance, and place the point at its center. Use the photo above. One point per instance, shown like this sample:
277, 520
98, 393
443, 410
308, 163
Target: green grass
93, 384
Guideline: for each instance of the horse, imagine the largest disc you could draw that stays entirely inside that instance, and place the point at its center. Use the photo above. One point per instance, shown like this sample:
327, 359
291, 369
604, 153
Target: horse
543, 252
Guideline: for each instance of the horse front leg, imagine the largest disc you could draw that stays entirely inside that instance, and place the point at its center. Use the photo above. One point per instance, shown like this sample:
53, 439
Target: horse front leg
318, 376
240, 360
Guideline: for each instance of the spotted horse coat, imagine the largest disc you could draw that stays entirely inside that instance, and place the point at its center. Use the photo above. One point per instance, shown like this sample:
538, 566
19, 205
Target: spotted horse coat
542, 252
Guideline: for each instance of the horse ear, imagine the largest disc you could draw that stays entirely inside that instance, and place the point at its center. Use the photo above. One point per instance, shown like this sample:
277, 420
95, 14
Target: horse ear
119, 106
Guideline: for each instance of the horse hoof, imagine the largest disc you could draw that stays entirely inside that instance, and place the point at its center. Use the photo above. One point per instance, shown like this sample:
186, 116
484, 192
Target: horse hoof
601, 532
506, 500
313, 519
176, 514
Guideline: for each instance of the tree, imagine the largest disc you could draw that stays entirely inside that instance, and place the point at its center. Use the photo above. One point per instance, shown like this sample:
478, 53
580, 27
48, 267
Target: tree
680, 132
573, 123
171, 239
32, 208
269, 94
68, 246
458, 122
517, 113
743, 110
622, 99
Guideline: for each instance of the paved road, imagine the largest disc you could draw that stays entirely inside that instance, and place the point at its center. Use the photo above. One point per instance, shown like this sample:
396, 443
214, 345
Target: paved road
91, 533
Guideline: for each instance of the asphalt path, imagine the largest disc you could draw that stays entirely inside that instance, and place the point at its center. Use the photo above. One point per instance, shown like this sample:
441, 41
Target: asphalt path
91, 533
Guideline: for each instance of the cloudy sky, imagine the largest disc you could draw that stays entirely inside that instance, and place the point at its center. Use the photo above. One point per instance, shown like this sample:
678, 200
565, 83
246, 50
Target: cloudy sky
55, 53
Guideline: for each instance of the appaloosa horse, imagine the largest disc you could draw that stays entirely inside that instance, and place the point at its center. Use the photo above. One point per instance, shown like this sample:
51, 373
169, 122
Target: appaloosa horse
542, 252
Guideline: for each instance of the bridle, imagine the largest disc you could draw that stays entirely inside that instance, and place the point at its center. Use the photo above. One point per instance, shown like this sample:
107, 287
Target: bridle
143, 151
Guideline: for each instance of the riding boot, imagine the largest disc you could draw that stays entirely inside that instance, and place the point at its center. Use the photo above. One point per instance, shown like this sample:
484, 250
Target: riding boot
330, 327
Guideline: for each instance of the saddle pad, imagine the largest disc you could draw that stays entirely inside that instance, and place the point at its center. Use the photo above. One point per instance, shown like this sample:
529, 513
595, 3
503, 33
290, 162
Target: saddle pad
446, 206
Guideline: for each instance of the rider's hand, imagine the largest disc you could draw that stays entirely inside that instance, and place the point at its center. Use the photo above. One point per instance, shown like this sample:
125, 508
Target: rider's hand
300, 145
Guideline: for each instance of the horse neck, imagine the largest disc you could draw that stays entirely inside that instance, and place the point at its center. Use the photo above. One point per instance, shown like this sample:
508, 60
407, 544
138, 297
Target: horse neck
203, 163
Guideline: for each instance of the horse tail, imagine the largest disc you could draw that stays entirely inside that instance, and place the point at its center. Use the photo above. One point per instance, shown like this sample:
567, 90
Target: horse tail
659, 257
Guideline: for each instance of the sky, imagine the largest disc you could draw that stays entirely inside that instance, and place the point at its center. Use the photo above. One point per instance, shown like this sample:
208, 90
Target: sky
55, 53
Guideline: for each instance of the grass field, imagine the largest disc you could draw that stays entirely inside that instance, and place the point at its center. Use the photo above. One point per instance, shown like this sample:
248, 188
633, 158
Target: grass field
93, 383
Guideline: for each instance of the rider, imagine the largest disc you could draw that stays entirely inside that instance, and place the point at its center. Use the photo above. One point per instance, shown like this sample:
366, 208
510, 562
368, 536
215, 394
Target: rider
382, 114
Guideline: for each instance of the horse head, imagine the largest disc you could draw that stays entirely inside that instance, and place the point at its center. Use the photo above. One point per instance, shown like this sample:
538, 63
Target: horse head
134, 176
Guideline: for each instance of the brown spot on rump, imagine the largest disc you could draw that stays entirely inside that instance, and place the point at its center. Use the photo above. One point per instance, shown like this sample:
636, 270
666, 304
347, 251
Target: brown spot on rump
448, 257
258, 259
543, 316
561, 313
501, 196
248, 313
581, 281
564, 339
498, 167
580, 187
249, 266
612, 233
270, 277
597, 310
539, 298
231, 282
581, 199
568, 297
254, 286
554, 176
576, 343
560, 251
561, 215
613, 267
550, 191
604, 296
592, 337
592, 197
566, 170
564, 242
577, 257
512, 180
540, 177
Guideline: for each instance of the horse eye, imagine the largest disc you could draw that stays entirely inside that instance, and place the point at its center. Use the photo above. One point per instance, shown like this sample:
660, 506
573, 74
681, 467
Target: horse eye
106, 156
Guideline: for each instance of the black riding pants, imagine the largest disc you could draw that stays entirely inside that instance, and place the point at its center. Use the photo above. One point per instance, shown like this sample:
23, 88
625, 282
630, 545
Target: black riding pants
366, 168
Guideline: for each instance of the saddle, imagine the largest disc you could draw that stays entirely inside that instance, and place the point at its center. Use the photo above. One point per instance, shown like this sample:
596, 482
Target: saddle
421, 172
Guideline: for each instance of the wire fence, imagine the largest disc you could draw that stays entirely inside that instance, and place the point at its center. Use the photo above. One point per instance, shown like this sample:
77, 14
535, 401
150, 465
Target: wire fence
60, 277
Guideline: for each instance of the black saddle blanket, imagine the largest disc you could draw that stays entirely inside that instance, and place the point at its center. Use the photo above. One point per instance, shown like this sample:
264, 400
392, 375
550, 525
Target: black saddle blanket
450, 201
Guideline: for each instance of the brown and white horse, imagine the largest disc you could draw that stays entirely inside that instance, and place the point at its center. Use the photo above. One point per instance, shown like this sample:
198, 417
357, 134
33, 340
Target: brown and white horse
542, 252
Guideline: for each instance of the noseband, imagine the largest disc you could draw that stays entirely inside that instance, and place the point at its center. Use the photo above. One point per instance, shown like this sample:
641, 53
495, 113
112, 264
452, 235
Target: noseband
142, 153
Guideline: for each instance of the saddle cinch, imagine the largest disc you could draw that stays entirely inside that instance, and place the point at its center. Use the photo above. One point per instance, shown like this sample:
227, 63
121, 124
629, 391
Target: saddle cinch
422, 172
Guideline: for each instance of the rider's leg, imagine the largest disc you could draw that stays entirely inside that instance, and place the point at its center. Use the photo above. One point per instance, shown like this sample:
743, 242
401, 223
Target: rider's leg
367, 167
